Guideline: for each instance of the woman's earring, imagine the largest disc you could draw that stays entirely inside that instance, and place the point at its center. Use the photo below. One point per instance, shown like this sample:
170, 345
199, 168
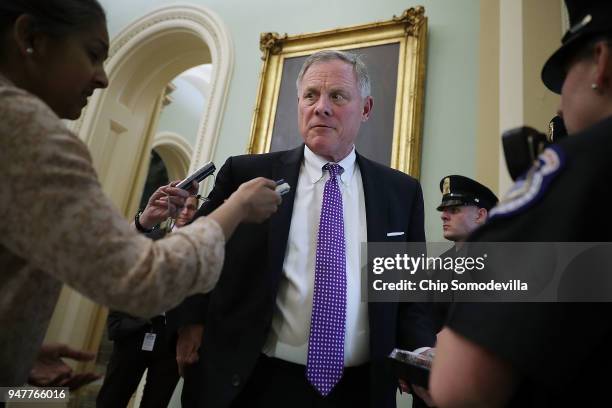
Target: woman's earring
594, 86
30, 50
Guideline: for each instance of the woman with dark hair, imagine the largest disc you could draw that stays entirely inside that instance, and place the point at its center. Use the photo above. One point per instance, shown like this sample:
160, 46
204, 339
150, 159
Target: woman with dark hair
58, 226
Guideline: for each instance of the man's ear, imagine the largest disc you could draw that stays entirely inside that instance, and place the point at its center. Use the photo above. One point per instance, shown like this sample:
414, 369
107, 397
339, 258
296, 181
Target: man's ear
482, 216
367, 108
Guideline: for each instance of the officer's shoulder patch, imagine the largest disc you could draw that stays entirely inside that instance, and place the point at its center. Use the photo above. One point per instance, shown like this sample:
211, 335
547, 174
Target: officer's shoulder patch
531, 187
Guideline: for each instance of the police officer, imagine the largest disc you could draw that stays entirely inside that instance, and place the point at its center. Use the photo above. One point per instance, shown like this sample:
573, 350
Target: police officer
546, 355
465, 206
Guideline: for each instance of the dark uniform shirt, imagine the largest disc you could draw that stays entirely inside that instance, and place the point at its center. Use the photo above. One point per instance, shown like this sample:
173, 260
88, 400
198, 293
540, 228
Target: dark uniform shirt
562, 352
442, 303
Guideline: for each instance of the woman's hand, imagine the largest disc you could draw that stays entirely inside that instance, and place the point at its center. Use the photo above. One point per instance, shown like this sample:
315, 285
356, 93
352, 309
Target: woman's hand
258, 199
254, 201
165, 202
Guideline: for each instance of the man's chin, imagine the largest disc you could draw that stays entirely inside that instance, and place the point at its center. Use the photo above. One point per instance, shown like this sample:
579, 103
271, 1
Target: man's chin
323, 139
449, 236
322, 133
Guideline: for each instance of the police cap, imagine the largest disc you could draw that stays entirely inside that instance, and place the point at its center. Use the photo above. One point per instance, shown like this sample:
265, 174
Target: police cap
461, 190
588, 18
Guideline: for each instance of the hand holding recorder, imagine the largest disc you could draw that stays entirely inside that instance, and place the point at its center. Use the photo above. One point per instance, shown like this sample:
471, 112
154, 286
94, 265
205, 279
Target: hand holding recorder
167, 200
258, 198
164, 202
254, 201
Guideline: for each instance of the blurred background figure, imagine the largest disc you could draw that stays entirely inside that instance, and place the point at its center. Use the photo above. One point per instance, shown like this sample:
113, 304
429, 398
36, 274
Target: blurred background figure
143, 344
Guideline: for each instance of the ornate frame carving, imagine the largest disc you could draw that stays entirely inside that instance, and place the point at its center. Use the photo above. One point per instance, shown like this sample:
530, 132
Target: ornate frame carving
409, 31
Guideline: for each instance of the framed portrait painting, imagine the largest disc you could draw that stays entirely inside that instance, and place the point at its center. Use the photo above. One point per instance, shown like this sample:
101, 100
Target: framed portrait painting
394, 52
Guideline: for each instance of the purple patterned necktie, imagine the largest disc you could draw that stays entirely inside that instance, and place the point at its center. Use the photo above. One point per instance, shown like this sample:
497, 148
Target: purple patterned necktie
326, 344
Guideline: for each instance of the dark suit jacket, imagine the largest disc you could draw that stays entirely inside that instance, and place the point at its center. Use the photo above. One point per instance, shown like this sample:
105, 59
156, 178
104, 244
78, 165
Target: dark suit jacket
238, 312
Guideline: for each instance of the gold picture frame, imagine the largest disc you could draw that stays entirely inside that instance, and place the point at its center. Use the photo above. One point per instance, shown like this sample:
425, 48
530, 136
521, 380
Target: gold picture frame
394, 46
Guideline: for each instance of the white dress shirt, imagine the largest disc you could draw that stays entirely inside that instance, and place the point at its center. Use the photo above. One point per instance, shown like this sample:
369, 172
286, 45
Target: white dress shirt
288, 338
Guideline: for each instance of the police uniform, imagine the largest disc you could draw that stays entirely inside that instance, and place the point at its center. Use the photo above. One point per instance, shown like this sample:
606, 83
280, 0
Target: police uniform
457, 190
560, 351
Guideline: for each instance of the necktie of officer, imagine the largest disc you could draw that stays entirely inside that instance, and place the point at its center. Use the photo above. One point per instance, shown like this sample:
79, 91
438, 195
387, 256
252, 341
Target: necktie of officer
325, 361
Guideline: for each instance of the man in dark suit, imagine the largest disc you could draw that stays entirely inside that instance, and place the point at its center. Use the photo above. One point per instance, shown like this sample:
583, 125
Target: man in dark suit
270, 327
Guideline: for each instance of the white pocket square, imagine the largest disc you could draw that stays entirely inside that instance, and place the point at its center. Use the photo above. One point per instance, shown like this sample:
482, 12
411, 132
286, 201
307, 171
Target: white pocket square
395, 234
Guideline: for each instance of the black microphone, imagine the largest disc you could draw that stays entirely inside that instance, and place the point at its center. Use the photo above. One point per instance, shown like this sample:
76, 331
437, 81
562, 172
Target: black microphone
199, 175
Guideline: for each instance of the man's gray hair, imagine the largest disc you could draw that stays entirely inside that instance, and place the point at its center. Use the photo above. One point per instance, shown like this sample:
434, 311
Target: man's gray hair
363, 78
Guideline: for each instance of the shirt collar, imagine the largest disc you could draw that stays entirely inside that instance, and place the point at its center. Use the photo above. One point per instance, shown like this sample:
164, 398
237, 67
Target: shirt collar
313, 166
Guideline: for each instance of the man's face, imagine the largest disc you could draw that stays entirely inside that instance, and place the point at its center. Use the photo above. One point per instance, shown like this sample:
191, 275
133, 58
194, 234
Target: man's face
186, 213
458, 221
331, 109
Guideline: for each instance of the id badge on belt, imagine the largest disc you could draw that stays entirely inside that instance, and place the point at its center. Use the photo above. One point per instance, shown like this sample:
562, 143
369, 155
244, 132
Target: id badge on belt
149, 341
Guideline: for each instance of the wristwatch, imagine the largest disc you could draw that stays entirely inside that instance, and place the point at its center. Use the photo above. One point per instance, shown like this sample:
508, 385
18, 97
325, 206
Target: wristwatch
139, 226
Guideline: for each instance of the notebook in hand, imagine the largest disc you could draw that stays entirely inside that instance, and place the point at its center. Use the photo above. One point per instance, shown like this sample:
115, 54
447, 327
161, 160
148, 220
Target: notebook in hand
411, 367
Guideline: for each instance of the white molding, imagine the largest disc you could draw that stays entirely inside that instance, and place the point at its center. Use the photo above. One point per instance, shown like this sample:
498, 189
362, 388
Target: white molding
199, 83
175, 151
166, 20
510, 77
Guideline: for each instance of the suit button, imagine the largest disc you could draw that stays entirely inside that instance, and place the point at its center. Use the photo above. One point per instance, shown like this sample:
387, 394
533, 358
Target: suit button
236, 380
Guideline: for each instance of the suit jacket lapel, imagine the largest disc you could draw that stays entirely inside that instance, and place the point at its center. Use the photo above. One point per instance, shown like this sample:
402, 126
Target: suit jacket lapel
375, 202
288, 168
